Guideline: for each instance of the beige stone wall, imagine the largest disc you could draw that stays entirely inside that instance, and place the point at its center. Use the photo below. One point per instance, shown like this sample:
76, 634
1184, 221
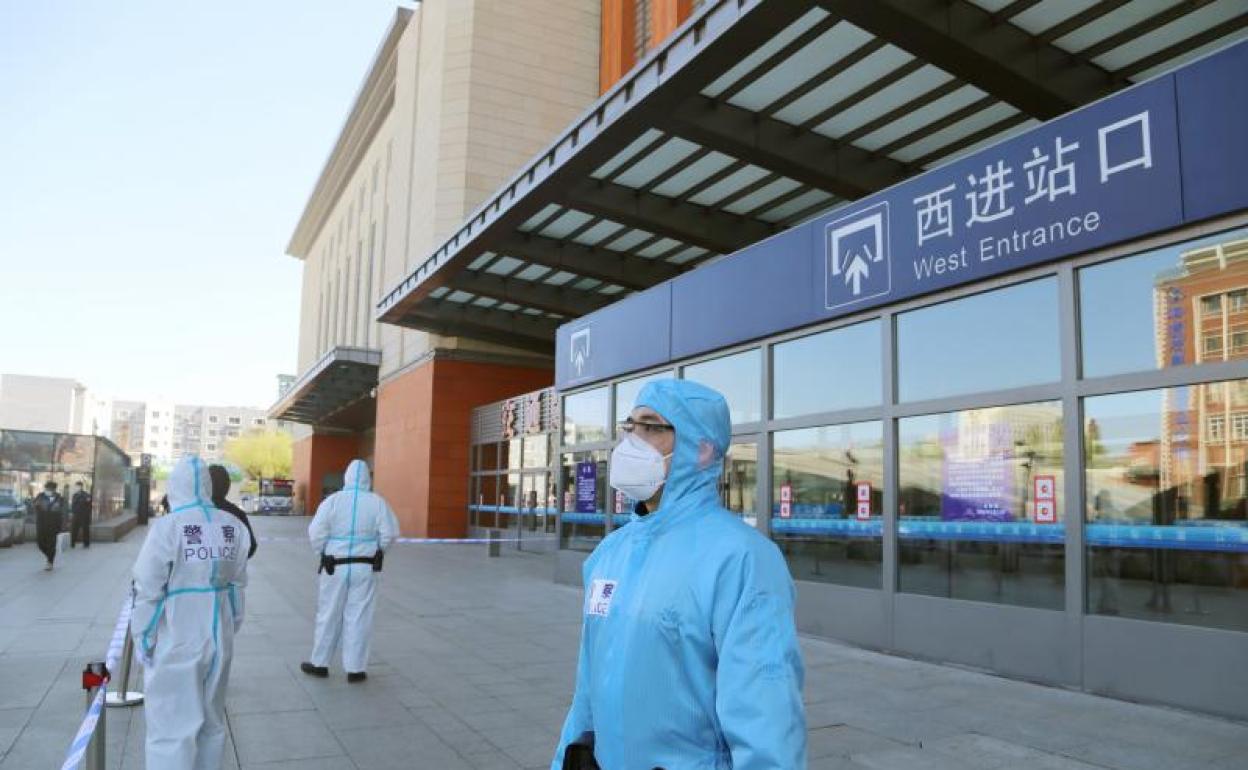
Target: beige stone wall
486, 93
479, 90
343, 274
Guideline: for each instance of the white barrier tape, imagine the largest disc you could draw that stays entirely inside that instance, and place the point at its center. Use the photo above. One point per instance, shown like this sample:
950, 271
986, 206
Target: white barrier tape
78, 747
428, 540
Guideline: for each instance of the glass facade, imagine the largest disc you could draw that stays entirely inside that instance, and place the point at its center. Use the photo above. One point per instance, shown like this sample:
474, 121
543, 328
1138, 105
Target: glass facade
626, 393
827, 502
1173, 306
996, 340
971, 489
584, 519
738, 489
29, 459
512, 481
1167, 512
809, 373
739, 378
585, 417
979, 507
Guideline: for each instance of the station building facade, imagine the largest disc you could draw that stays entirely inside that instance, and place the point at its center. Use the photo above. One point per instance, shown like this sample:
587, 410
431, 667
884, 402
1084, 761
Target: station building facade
970, 275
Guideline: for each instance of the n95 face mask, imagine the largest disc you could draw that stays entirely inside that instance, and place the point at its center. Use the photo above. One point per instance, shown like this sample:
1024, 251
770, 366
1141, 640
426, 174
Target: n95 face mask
637, 469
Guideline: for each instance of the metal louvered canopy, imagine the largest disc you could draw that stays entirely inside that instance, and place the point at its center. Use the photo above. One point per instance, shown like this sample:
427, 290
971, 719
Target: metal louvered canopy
336, 392
759, 114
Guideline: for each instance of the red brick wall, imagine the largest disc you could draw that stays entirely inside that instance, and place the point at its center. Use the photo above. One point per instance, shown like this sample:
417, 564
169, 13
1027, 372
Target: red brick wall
317, 455
424, 424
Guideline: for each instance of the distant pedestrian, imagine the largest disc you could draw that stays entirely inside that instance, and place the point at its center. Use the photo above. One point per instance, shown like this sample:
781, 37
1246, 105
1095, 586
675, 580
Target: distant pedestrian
80, 513
220, 488
49, 520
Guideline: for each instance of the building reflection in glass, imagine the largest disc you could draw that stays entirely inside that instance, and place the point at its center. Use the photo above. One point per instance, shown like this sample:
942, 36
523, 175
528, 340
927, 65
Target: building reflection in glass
828, 502
738, 486
980, 511
1167, 505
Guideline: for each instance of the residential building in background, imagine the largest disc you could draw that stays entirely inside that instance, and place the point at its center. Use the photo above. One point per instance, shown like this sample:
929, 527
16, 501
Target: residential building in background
204, 430
169, 431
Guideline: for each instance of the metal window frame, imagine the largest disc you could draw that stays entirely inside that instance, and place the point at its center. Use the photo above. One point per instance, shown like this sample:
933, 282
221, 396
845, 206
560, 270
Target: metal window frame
1069, 390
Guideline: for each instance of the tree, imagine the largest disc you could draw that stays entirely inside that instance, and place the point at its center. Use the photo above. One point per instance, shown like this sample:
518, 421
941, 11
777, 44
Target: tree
262, 454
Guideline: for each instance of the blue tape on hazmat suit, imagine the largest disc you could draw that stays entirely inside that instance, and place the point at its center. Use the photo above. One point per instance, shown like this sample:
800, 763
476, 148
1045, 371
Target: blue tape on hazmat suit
689, 655
354, 522
188, 603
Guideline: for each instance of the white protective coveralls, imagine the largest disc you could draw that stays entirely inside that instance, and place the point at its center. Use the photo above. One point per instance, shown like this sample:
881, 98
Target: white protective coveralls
188, 603
354, 522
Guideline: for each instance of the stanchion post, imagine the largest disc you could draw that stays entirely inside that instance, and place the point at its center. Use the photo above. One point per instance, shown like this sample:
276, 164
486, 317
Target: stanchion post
94, 677
124, 696
493, 547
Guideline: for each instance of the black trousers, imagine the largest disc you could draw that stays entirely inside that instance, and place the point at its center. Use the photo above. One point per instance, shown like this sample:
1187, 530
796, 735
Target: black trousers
46, 529
80, 530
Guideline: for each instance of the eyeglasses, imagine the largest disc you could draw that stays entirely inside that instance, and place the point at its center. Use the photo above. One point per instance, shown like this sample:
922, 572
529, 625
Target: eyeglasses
646, 428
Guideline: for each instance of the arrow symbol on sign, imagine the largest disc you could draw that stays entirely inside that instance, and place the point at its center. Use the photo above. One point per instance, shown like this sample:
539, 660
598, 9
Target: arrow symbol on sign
857, 270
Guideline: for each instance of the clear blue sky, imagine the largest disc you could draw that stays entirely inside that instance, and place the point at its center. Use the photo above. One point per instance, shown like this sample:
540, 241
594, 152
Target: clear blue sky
154, 158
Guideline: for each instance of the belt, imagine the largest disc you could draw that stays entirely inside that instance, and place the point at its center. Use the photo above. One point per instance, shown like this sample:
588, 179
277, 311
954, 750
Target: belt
329, 563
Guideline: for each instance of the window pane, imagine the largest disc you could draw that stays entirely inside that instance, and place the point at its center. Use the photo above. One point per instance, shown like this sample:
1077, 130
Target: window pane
488, 456
739, 378
26, 451
1006, 338
536, 451
536, 507
582, 530
75, 454
626, 393
1168, 307
738, 487
1167, 533
810, 374
486, 502
824, 532
585, 417
980, 513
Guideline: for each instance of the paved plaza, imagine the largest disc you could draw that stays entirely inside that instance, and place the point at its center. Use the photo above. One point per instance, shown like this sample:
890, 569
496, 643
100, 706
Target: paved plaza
473, 661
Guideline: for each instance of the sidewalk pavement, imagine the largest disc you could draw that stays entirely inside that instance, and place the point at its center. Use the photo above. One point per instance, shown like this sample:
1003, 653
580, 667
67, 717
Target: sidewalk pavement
472, 667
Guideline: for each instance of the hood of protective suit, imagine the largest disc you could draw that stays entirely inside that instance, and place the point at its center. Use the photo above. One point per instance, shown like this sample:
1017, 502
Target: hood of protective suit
703, 430
220, 481
189, 483
357, 476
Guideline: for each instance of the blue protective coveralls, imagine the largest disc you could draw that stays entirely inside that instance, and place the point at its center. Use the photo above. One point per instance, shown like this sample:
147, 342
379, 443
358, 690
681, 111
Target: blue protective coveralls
352, 522
188, 603
689, 655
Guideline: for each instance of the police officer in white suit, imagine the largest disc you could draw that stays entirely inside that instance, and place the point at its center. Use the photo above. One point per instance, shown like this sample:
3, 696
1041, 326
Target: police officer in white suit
351, 530
188, 603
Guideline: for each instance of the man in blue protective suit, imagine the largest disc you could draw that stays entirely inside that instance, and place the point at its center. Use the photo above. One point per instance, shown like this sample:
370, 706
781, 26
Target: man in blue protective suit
689, 655
351, 531
188, 604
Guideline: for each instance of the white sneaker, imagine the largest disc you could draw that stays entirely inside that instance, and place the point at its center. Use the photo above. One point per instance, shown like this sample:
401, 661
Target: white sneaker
47, 567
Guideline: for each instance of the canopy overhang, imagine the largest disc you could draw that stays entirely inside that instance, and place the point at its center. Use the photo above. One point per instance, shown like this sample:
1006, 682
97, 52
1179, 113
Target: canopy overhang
336, 392
758, 115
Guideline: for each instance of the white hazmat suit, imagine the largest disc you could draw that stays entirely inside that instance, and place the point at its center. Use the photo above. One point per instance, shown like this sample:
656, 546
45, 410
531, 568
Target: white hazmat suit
352, 523
188, 603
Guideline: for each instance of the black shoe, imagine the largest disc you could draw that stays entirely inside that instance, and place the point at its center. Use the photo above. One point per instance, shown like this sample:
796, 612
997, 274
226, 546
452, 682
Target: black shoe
358, 676
308, 668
